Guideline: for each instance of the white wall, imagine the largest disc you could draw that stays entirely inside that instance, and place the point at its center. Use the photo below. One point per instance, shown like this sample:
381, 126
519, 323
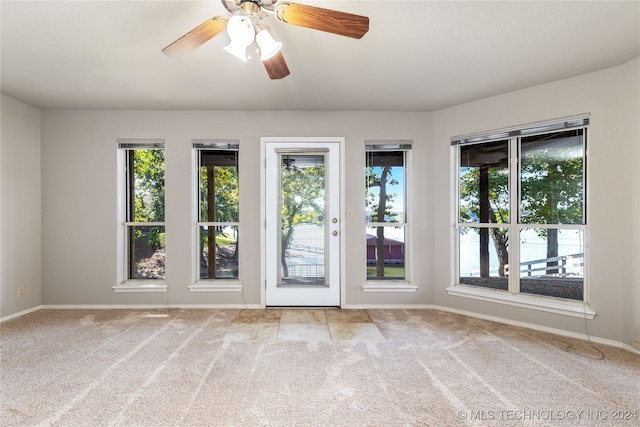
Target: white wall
20, 207
612, 98
631, 280
79, 197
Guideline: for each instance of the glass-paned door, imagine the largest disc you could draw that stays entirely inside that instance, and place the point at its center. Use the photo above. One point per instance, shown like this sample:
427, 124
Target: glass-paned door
303, 225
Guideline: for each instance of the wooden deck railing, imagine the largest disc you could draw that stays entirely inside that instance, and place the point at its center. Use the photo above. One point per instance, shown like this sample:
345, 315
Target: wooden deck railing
567, 265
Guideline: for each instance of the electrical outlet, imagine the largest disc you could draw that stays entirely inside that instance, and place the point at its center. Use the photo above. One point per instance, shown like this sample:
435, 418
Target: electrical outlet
20, 292
349, 213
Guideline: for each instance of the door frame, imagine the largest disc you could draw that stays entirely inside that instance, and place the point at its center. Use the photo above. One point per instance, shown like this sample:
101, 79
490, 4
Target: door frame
263, 214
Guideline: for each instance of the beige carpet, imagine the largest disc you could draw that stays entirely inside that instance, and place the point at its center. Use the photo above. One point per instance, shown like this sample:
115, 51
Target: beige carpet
193, 367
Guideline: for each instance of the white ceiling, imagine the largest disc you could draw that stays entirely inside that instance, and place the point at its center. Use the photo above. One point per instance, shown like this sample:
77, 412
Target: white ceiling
417, 55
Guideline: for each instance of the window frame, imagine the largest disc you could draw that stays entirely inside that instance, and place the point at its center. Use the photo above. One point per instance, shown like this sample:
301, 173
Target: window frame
393, 284
210, 284
124, 283
513, 295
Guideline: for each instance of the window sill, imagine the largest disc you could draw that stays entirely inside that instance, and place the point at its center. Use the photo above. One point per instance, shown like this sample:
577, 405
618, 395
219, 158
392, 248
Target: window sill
140, 287
216, 287
568, 308
388, 287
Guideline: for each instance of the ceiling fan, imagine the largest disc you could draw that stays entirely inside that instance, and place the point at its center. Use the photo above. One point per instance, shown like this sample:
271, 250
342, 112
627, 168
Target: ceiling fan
245, 26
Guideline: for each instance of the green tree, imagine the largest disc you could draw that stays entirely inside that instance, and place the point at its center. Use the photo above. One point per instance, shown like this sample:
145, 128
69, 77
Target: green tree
224, 183
377, 204
219, 203
302, 203
552, 192
551, 189
148, 174
484, 197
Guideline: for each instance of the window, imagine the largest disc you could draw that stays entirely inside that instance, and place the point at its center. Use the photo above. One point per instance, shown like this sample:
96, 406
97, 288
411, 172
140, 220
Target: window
386, 211
217, 211
142, 194
521, 202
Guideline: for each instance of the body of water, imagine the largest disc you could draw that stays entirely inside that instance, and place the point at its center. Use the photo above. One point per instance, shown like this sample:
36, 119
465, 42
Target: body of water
532, 247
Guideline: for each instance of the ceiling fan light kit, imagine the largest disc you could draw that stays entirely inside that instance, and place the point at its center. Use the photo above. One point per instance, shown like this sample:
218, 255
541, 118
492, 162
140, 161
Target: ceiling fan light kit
241, 32
267, 44
244, 27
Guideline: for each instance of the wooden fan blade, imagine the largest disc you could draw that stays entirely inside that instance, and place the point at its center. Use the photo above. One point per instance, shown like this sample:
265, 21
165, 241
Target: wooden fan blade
331, 21
276, 66
196, 37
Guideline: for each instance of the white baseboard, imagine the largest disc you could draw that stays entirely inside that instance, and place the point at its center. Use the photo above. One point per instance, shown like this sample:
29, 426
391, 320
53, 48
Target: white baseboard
148, 306
560, 332
20, 313
386, 306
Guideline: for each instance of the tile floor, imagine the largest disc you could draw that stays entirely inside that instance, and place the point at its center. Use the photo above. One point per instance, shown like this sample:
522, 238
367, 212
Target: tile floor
303, 325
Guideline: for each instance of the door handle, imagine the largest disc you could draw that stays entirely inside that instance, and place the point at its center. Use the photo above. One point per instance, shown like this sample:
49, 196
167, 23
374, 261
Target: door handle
334, 232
